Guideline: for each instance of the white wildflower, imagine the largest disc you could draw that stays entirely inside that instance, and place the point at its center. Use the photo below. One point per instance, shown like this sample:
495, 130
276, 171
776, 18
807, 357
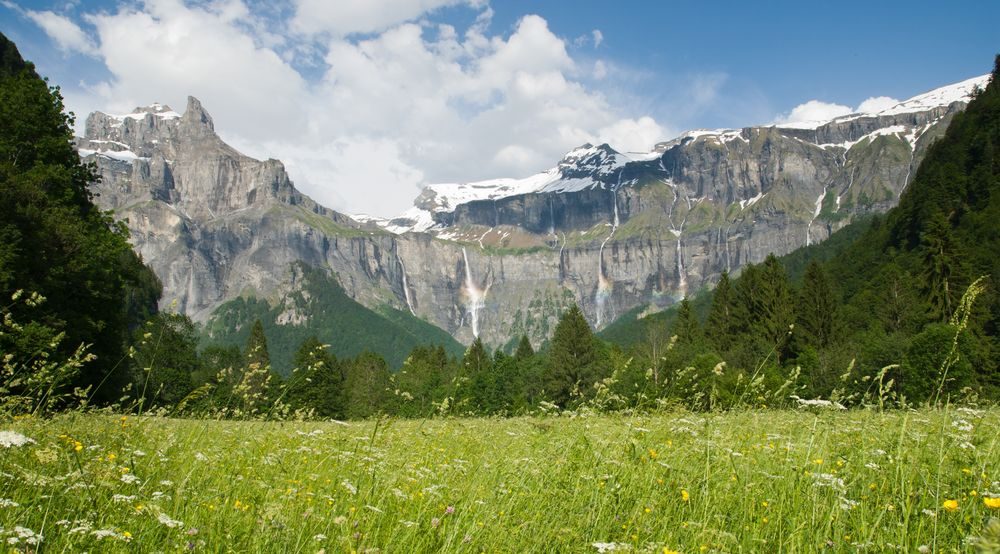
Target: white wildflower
200, 457
9, 439
104, 533
123, 498
962, 425
349, 486
8, 503
166, 520
166, 483
129, 479
319, 537
27, 535
610, 546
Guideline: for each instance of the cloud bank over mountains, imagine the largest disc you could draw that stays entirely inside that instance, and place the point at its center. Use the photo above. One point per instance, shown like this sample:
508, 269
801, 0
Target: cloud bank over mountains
367, 101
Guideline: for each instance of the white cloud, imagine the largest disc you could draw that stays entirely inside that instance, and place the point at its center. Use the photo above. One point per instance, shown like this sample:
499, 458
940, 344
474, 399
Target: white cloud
412, 104
814, 110
598, 37
68, 36
876, 104
342, 18
817, 110
600, 70
632, 135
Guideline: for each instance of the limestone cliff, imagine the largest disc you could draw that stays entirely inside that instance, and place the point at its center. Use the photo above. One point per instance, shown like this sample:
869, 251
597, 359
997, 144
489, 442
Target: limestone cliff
608, 230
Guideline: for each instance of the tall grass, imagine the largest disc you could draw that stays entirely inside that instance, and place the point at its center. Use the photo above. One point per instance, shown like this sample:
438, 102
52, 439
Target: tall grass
742, 481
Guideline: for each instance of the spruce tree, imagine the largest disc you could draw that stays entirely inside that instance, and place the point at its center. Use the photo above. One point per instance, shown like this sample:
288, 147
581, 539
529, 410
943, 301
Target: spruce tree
573, 358
719, 328
317, 382
524, 350
686, 327
816, 313
778, 312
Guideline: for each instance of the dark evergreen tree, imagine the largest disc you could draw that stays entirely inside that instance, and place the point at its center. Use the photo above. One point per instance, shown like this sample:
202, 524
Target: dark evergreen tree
720, 326
941, 285
368, 385
164, 360
524, 349
574, 359
777, 311
317, 382
816, 311
686, 327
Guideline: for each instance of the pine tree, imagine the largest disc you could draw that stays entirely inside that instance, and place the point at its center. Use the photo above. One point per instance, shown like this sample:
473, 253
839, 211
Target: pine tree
255, 382
317, 382
719, 328
524, 349
940, 266
777, 313
573, 359
368, 385
686, 327
816, 313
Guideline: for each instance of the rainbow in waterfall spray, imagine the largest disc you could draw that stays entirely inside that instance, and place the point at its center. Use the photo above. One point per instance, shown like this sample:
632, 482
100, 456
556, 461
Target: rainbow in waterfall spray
474, 295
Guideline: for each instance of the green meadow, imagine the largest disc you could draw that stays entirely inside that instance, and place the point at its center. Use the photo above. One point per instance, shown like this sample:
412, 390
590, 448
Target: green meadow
741, 481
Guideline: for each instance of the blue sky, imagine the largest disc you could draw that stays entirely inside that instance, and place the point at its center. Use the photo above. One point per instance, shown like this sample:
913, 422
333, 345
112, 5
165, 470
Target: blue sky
388, 95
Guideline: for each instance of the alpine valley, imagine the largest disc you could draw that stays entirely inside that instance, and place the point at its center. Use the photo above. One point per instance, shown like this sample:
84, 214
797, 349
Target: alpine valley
233, 240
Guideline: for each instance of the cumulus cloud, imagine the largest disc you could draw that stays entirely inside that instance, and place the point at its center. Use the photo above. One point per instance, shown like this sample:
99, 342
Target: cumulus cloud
877, 104
598, 37
386, 111
814, 110
345, 18
68, 36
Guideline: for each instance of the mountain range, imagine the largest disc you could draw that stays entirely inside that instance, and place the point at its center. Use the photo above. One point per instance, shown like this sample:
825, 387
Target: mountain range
608, 230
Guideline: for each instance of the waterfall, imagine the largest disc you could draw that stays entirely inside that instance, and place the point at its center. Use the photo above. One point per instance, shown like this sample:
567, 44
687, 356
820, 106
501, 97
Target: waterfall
476, 297
406, 285
604, 285
819, 208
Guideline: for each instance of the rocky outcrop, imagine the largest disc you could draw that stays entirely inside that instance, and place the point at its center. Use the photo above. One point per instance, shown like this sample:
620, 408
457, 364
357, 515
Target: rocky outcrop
606, 230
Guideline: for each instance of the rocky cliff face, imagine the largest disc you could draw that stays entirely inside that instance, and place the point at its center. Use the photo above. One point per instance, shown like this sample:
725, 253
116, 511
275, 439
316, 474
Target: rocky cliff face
607, 230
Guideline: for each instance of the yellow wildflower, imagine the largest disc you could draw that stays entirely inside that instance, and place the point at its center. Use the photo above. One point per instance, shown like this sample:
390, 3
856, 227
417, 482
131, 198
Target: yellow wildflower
950, 505
685, 496
992, 503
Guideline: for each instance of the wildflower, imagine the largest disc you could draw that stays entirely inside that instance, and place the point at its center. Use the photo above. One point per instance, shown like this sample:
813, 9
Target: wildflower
435, 522
992, 503
685, 496
653, 454
168, 521
126, 536
77, 446
669, 551
10, 439
950, 505
449, 510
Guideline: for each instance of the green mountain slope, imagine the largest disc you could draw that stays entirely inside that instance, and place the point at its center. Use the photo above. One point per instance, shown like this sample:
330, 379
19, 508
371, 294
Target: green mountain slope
319, 307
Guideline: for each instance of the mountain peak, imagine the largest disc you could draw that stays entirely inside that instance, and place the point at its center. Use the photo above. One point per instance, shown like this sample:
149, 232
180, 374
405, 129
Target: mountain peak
196, 115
